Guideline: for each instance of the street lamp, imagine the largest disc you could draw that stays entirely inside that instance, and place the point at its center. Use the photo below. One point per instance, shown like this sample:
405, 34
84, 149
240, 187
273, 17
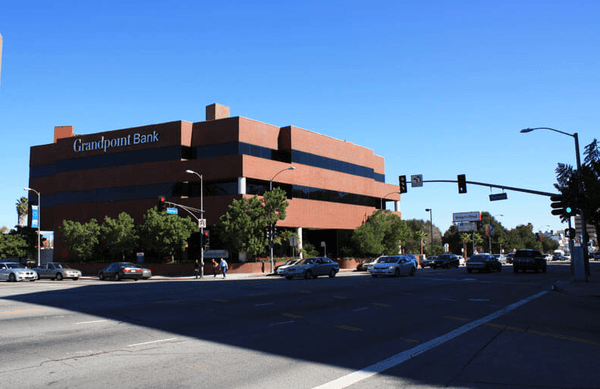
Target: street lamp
580, 189
202, 222
38, 224
431, 225
381, 199
272, 225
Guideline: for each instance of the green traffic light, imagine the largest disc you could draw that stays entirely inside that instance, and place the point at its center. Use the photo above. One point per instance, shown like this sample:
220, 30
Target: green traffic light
568, 210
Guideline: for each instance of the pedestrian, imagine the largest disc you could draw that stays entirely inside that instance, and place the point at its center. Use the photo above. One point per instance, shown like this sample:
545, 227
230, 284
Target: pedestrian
197, 269
215, 267
223, 265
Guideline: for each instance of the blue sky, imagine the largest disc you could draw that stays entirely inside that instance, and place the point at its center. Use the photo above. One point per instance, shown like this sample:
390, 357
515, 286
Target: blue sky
437, 88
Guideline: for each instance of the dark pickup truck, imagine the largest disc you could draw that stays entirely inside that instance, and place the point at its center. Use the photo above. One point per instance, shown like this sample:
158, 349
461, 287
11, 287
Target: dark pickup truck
526, 259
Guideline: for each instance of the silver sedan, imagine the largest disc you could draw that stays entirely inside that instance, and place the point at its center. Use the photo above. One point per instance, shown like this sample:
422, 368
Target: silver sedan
394, 265
12, 271
312, 268
57, 271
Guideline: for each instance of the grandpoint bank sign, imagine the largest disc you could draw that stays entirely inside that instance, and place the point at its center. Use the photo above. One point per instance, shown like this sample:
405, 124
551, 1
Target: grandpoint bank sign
104, 144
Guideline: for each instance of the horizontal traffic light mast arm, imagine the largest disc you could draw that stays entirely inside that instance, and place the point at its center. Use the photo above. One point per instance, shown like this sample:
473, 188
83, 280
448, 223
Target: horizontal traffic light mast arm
536, 192
190, 210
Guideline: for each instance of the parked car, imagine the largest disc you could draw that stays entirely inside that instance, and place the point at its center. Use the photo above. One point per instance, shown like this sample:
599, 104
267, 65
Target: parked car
510, 257
446, 261
12, 271
394, 265
428, 262
597, 255
483, 262
526, 259
122, 270
501, 258
281, 268
367, 265
558, 257
312, 268
57, 271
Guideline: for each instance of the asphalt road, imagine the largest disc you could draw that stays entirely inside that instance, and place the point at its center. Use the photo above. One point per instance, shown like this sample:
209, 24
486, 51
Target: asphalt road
441, 328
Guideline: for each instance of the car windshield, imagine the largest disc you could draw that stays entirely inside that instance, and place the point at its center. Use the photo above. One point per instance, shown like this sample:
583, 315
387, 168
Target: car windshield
14, 266
444, 257
60, 266
478, 257
388, 260
307, 261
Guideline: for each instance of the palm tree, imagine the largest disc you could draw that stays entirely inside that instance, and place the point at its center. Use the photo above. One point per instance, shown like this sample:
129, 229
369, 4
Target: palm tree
22, 211
421, 236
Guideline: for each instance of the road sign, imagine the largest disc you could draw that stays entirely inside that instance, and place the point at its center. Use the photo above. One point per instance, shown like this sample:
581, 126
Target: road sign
202, 223
416, 180
172, 211
498, 196
466, 217
467, 226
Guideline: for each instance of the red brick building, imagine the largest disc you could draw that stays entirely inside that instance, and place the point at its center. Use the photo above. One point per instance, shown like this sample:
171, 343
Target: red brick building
335, 185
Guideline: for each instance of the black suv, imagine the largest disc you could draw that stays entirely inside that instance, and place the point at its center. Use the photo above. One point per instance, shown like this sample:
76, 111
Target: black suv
526, 259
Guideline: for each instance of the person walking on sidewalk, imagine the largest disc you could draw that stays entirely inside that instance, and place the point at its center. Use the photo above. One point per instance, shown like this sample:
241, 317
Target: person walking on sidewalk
223, 265
215, 267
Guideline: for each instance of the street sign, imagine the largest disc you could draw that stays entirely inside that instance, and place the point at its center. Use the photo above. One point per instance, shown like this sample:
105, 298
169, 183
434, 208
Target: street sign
498, 196
466, 217
467, 226
416, 180
202, 223
172, 211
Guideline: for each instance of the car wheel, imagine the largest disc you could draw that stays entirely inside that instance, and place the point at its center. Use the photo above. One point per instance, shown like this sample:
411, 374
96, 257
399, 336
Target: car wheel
12, 277
332, 273
101, 276
500, 268
373, 275
117, 277
75, 279
308, 275
413, 271
544, 269
289, 277
515, 269
59, 276
397, 273
469, 270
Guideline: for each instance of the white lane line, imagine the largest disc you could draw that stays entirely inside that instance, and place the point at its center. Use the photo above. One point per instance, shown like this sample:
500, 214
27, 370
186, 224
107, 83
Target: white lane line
91, 322
360, 309
282, 323
152, 342
369, 371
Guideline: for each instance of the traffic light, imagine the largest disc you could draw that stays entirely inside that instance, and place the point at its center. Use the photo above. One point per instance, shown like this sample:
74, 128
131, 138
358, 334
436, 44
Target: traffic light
403, 188
206, 239
267, 232
462, 183
571, 233
161, 204
569, 210
557, 205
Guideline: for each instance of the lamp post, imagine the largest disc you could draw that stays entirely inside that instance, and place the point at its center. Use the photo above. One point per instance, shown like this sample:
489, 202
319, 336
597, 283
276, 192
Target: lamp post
580, 190
272, 224
202, 221
38, 224
381, 199
430, 225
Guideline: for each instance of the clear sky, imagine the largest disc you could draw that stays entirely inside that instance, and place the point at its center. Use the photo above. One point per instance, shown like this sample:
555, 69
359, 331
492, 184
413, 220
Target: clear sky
437, 88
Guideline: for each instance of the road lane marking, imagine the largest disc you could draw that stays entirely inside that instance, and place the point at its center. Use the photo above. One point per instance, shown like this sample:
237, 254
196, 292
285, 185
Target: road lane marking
291, 315
263, 304
406, 355
382, 305
360, 309
91, 322
24, 310
343, 327
283, 322
152, 342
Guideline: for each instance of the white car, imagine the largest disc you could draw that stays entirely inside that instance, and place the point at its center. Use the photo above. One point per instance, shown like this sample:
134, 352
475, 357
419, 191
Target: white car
395, 265
280, 270
312, 268
12, 271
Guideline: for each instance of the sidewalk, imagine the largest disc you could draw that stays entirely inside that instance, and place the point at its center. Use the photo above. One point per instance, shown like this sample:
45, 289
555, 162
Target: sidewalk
590, 289
232, 276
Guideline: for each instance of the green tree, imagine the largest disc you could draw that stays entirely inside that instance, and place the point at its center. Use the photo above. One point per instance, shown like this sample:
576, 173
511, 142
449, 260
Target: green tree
243, 226
383, 232
12, 246
80, 239
420, 237
22, 210
119, 235
522, 237
567, 182
165, 234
